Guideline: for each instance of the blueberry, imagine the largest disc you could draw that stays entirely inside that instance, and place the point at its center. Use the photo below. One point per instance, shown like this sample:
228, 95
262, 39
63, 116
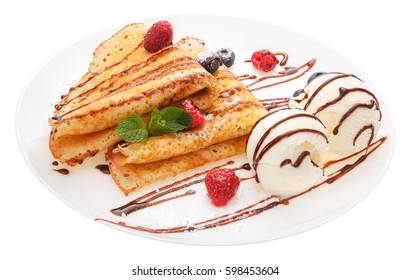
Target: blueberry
209, 60
315, 75
298, 92
227, 56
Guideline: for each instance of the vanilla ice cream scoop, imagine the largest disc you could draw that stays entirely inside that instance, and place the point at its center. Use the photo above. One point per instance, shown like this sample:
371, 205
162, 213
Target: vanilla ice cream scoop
286, 148
347, 108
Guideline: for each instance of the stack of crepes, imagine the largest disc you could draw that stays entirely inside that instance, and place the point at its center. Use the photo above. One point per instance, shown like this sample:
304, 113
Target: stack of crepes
124, 79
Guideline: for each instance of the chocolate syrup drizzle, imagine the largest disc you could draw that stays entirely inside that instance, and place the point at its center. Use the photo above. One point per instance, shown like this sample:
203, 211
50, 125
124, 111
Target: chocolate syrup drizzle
260, 206
63, 171
288, 71
152, 198
157, 196
349, 112
346, 168
298, 161
244, 77
103, 168
124, 87
315, 93
274, 103
103, 84
279, 138
364, 128
343, 92
258, 155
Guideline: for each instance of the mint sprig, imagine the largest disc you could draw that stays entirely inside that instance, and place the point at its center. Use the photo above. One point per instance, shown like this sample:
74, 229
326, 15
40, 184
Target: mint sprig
165, 121
168, 120
132, 129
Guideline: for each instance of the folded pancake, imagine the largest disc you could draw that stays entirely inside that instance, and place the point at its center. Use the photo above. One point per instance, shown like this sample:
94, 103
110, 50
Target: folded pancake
131, 177
107, 58
223, 134
232, 115
125, 79
74, 149
165, 77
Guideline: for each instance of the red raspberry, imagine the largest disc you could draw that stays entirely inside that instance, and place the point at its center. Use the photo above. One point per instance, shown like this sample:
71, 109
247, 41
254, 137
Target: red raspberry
196, 115
264, 60
159, 35
221, 184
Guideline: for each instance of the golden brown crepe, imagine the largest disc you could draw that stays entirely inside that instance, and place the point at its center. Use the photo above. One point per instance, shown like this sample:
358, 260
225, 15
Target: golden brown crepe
231, 116
117, 86
124, 79
131, 177
223, 134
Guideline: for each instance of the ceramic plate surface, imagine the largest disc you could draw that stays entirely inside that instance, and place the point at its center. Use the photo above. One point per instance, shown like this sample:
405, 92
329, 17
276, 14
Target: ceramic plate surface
93, 193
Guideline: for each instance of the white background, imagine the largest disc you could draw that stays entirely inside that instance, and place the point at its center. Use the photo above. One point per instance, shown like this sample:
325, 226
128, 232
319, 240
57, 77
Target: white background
42, 238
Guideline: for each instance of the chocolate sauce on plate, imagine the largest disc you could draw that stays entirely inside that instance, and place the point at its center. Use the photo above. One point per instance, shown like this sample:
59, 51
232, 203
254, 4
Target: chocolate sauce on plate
104, 168
288, 71
250, 210
244, 77
152, 198
166, 193
63, 171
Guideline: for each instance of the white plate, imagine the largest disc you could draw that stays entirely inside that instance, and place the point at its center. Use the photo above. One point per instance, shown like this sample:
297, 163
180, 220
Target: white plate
93, 194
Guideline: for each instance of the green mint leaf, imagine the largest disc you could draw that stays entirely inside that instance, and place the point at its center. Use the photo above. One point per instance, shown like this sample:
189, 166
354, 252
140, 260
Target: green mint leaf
155, 118
132, 129
168, 120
